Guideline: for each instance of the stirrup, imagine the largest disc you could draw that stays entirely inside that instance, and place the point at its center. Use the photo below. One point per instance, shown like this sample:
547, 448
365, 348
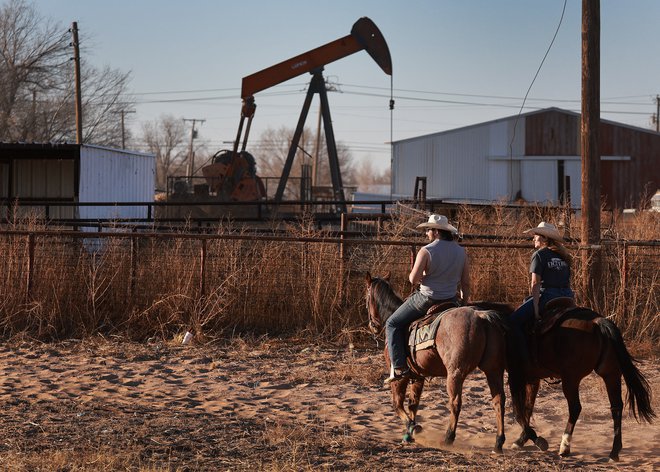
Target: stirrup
396, 376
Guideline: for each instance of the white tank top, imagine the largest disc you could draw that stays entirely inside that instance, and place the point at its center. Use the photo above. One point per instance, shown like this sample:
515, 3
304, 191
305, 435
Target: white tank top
444, 269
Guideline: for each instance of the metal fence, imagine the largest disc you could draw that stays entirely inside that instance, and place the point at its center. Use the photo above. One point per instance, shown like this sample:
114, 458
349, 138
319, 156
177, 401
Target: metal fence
75, 283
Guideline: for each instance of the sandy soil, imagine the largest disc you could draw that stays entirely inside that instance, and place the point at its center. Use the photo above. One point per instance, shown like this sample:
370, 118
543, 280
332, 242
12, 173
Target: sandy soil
270, 405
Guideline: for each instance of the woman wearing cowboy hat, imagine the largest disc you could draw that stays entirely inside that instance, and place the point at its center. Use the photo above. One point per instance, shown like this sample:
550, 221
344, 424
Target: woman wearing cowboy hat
440, 268
550, 271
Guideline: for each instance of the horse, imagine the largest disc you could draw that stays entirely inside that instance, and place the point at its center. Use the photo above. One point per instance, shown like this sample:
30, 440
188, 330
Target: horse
571, 343
468, 337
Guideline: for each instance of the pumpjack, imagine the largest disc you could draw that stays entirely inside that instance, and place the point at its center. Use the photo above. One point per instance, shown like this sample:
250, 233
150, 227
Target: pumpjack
364, 35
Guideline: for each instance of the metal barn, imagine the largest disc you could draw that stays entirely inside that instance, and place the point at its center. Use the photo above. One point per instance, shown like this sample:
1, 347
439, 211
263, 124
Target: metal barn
75, 173
533, 157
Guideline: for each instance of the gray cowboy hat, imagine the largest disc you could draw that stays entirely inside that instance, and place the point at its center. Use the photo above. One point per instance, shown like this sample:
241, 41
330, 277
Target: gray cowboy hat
438, 222
546, 229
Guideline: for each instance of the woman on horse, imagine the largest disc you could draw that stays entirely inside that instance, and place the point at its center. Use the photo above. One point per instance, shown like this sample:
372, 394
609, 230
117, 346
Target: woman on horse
440, 268
550, 271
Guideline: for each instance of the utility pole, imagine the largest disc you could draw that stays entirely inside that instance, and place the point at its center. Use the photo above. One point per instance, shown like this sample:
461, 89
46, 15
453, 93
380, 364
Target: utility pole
76, 62
123, 133
657, 113
191, 153
590, 139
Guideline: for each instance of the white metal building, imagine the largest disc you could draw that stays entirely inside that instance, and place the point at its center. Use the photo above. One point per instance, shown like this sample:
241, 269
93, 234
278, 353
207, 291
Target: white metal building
76, 173
534, 157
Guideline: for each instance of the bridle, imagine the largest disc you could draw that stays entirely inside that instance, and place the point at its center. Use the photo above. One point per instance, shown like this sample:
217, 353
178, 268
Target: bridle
375, 328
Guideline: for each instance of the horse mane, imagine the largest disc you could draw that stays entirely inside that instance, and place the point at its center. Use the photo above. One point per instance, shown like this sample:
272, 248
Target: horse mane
386, 300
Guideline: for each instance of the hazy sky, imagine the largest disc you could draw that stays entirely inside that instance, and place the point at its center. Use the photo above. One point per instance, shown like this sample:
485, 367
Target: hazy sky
455, 62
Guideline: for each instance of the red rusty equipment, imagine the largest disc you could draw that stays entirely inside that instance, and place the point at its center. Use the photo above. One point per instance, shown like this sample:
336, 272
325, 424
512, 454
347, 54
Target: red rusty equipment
364, 35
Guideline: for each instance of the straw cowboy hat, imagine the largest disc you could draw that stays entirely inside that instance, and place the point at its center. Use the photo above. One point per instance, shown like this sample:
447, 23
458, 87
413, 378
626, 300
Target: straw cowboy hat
438, 222
546, 229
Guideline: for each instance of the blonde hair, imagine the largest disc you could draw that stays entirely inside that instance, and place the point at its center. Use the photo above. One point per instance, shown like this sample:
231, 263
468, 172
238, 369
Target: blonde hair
561, 250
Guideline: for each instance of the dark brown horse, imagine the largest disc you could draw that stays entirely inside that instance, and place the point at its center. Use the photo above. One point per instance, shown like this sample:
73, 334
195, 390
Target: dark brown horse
581, 341
468, 337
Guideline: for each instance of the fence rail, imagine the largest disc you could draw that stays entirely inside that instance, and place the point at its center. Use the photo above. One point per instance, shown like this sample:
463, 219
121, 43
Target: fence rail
63, 283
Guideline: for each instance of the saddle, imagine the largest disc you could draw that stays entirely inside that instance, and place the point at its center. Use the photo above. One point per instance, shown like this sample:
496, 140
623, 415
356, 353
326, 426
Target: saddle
558, 312
561, 312
421, 332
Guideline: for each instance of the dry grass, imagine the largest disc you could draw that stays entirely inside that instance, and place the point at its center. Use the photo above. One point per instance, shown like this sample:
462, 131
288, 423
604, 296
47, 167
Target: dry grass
153, 286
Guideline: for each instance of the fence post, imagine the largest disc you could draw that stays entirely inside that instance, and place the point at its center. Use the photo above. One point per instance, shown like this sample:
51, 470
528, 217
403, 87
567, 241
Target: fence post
30, 265
134, 256
342, 258
624, 279
202, 268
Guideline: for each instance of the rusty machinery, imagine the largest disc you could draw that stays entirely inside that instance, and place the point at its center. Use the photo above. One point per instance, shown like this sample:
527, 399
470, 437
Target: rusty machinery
364, 35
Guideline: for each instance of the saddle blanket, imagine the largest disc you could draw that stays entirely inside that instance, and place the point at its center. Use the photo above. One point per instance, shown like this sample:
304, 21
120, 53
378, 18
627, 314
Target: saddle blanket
422, 332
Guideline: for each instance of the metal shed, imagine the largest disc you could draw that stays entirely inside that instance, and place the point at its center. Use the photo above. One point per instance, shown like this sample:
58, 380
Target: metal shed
76, 173
534, 157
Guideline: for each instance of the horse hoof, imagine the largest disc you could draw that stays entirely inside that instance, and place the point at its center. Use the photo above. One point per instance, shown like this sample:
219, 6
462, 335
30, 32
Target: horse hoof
614, 458
416, 429
541, 443
517, 445
407, 439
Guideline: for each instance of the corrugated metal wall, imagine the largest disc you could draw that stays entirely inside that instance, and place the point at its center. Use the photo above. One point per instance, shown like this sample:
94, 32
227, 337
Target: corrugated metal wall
552, 133
113, 175
479, 163
629, 184
625, 183
459, 164
43, 178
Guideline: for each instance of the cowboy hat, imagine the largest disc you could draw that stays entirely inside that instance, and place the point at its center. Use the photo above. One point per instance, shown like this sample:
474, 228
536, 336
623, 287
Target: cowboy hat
438, 222
547, 230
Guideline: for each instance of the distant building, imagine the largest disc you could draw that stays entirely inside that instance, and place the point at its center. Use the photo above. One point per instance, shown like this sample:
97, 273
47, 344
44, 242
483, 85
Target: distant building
533, 157
75, 173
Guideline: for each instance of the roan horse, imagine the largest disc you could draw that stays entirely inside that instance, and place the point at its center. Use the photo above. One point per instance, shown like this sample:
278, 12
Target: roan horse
572, 342
467, 338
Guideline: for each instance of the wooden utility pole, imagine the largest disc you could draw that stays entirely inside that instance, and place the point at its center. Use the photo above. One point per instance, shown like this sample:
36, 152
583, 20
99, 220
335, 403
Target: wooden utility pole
76, 62
590, 139
123, 129
191, 154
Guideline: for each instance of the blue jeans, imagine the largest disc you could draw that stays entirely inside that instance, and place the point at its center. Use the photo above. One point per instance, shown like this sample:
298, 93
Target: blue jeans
525, 312
396, 326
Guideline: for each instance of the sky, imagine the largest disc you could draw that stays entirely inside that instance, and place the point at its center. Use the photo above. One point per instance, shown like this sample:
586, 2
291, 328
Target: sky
455, 62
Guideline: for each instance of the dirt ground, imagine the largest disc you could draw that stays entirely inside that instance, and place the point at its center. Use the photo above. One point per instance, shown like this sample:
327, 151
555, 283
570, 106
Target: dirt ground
269, 404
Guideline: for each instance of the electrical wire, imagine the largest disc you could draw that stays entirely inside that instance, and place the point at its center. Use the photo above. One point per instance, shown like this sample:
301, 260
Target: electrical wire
522, 106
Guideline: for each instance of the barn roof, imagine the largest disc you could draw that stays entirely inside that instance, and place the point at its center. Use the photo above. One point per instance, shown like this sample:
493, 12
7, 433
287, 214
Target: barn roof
524, 115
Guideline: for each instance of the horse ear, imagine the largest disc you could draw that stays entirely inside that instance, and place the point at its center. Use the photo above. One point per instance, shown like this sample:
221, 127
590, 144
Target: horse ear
387, 276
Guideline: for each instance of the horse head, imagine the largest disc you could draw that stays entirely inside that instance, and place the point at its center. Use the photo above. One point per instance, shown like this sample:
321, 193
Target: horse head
381, 301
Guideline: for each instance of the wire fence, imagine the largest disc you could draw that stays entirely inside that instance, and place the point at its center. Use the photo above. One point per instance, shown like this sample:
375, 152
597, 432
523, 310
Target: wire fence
59, 284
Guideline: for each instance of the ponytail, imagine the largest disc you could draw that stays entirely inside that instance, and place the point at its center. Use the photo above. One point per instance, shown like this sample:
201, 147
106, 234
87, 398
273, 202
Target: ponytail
561, 250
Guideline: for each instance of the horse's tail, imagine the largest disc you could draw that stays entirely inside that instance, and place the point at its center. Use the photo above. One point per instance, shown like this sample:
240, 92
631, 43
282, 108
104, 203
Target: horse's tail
639, 391
496, 319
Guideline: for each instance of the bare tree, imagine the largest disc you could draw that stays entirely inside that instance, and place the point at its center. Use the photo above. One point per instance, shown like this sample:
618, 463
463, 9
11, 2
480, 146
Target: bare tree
367, 177
31, 51
166, 139
36, 84
273, 148
104, 98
